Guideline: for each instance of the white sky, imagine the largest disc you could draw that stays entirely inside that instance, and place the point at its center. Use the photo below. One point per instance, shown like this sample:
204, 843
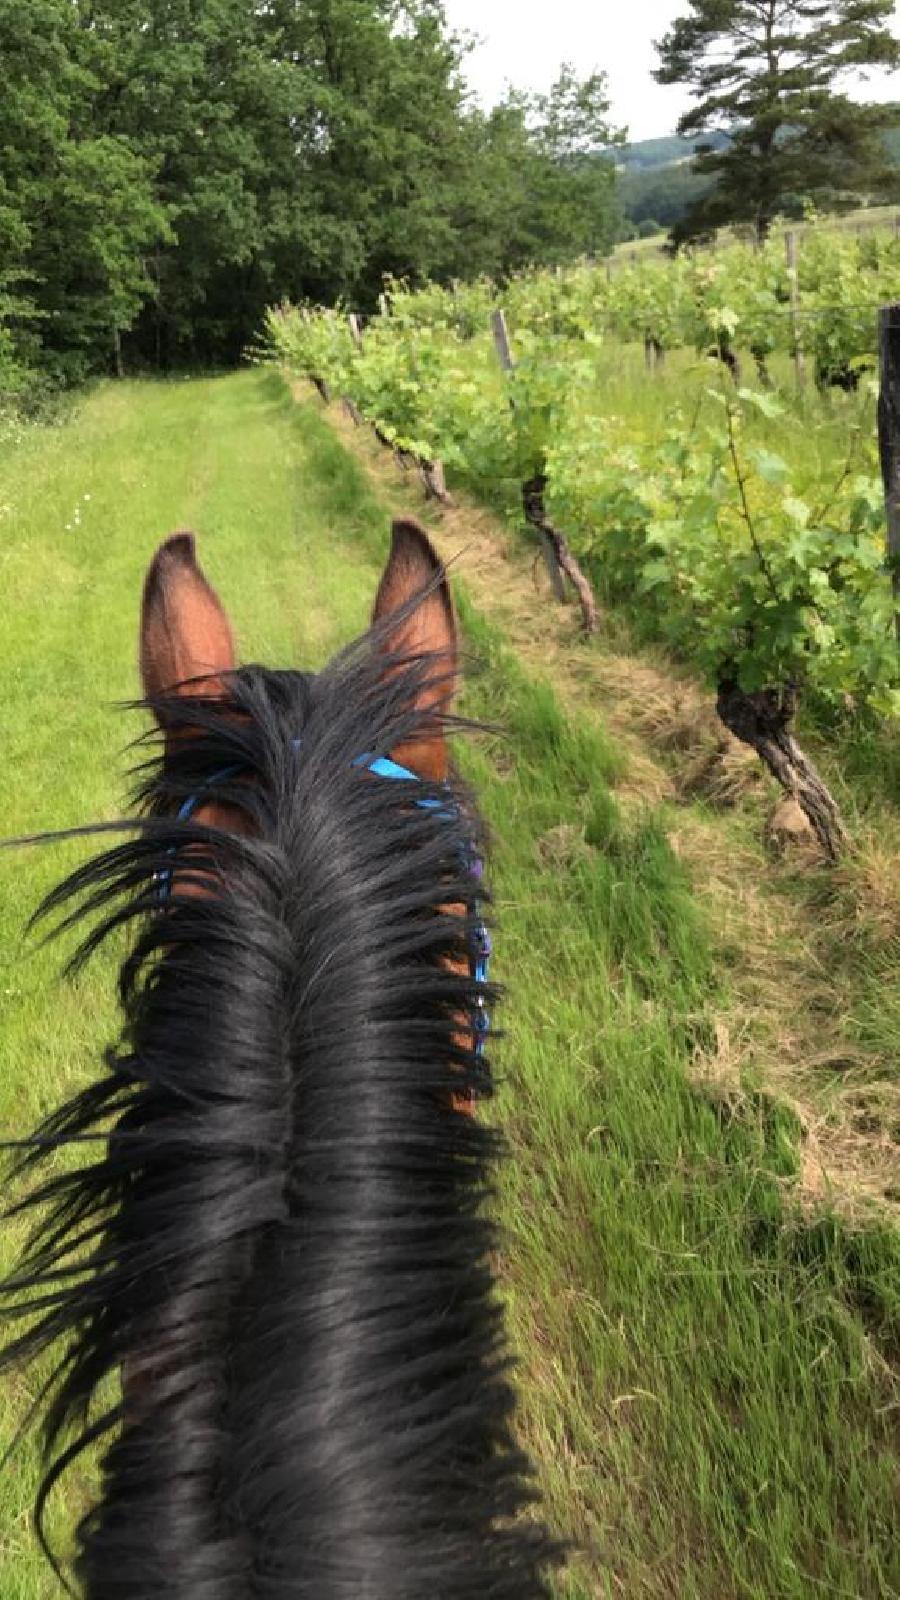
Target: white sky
525, 42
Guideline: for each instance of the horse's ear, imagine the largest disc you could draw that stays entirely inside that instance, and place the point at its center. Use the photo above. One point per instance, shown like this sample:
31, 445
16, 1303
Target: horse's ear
414, 570
185, 633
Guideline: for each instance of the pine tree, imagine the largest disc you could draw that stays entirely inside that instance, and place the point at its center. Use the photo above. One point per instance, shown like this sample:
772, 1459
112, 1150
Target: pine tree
769, 72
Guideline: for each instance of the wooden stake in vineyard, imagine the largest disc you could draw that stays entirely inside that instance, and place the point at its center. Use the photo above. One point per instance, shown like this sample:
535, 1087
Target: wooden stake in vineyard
654, 353
554, 546
790, 256
889, 438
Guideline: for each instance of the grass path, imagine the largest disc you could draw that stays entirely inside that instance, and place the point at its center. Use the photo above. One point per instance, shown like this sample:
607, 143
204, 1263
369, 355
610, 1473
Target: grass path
83, 507
706, 1372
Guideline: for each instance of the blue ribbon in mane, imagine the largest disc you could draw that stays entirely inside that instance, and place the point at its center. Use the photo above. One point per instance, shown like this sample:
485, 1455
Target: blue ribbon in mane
383, 767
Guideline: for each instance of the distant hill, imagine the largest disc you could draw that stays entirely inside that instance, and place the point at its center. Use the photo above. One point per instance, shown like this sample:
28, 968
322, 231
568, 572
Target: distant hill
892, 143
647, 154
656, 184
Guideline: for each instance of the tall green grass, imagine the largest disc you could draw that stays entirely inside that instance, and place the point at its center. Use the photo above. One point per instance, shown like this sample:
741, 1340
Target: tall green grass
706, 1384
705, 1373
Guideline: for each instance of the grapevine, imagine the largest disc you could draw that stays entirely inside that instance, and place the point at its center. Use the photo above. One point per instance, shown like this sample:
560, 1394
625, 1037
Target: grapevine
714, 533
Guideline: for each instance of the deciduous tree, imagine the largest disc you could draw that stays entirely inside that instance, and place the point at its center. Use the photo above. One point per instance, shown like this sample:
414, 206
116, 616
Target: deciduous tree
78, 212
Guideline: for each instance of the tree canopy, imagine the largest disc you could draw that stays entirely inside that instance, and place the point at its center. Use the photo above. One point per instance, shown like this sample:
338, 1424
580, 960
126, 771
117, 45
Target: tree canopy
170, 167
769, 73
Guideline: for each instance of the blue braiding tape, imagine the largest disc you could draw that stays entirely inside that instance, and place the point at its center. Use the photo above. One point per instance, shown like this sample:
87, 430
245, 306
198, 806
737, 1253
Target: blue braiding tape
382, 767
163, 879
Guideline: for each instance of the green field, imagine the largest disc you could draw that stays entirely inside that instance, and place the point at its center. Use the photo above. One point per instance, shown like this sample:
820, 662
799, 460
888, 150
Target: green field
862, 221
707, 1355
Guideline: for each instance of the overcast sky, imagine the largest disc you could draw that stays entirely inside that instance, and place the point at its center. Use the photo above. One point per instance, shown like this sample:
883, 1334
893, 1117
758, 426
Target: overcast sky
525, 42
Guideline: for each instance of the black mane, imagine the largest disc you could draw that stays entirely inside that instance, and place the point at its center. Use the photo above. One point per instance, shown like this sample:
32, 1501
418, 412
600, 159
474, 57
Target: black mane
279, 1234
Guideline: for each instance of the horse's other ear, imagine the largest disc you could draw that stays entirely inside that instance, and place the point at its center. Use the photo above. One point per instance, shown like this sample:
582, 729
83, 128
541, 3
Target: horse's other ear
415, 573
185, 633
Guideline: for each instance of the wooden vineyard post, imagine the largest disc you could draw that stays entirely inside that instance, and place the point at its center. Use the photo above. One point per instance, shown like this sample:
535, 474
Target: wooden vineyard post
654, 354
501, 340
557, 555
351, 409
889, 438
504, 354
790, 256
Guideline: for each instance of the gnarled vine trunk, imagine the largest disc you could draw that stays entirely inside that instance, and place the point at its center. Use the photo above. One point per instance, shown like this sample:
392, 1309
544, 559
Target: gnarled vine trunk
435, 482
723, 352
536, 516
762, 367
654, 353
763, 720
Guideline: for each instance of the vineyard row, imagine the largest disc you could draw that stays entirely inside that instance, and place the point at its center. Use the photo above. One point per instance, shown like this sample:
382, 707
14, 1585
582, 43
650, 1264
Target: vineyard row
742, 527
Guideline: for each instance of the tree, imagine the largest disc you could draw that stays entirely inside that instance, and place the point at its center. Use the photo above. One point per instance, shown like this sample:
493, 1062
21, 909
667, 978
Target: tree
573, 133
546, 190
767, 71
301, 150
388, 157
168, 168
203, 96
77, 209
308, 150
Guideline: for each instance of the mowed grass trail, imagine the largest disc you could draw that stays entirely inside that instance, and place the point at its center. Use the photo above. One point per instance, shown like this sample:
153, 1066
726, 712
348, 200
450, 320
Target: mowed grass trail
708, 1378
81, 510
